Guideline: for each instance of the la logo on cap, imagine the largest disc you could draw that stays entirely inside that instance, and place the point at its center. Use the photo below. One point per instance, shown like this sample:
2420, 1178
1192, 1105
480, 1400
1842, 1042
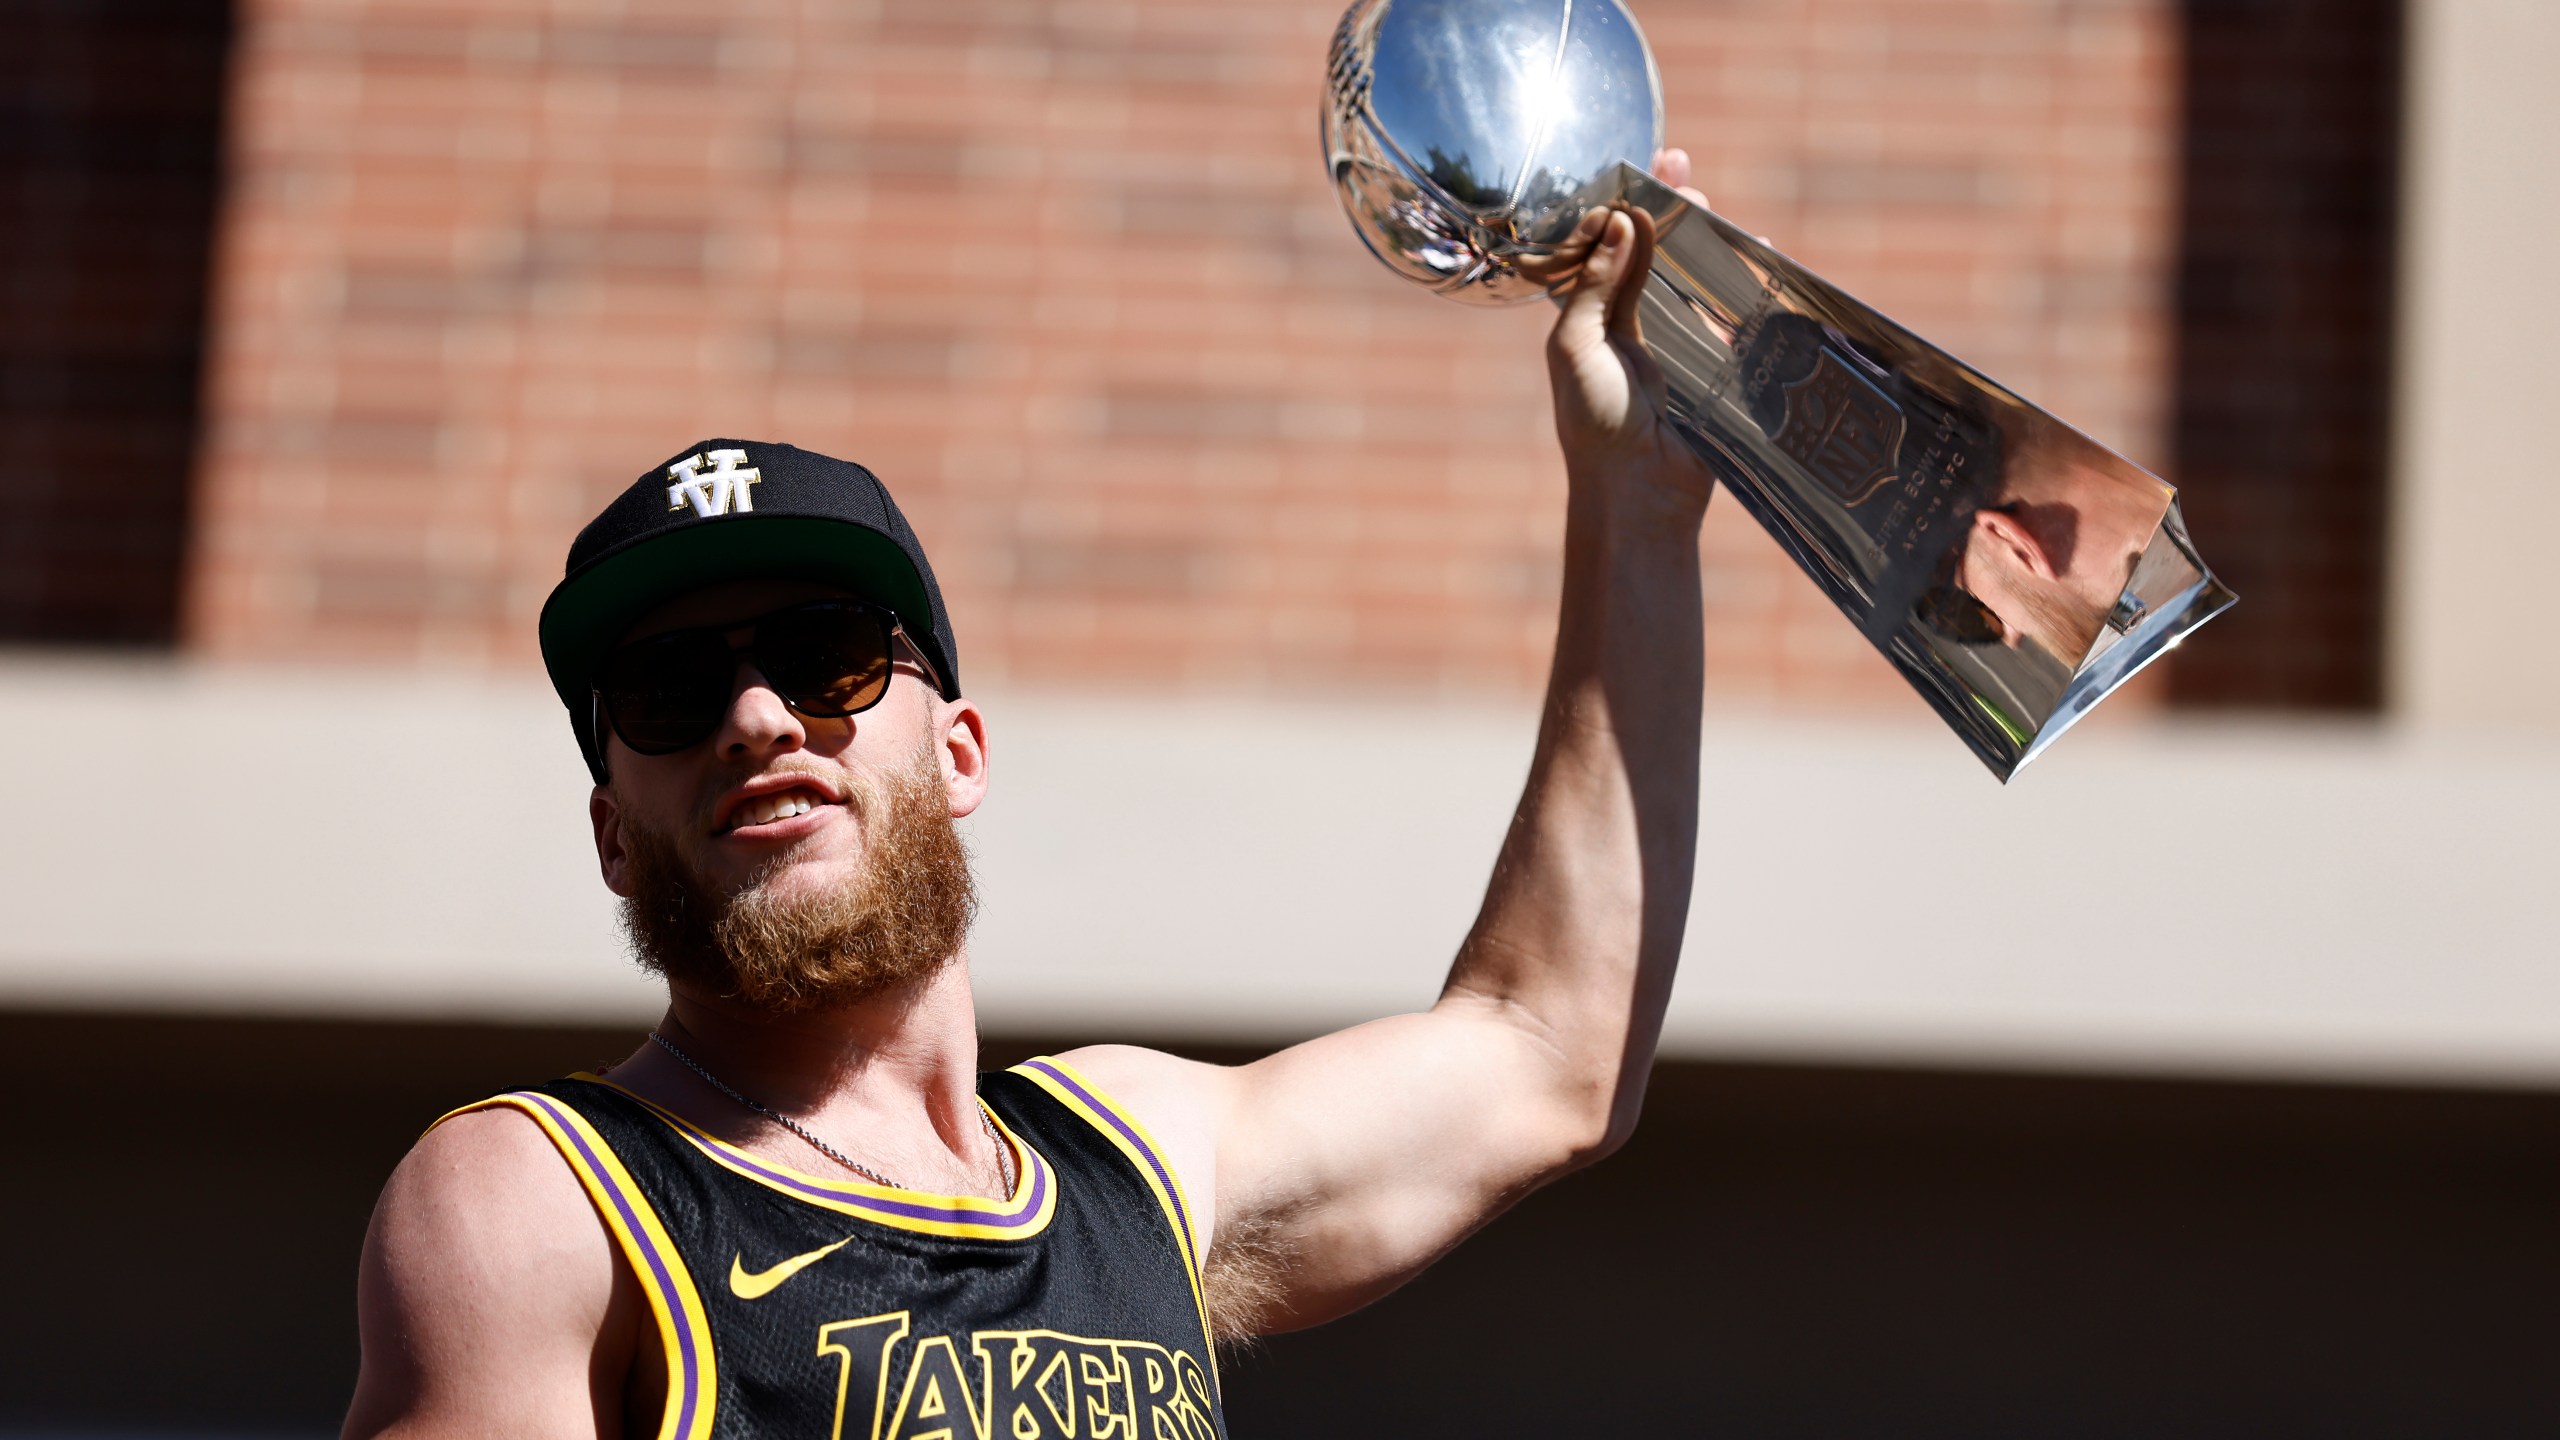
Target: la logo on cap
718, 493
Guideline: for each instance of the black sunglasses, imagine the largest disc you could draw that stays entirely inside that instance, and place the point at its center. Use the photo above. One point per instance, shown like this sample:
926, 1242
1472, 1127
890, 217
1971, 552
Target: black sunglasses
827, 659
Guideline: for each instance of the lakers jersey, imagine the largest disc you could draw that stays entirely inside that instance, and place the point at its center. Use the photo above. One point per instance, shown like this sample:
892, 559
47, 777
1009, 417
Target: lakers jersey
797, 1305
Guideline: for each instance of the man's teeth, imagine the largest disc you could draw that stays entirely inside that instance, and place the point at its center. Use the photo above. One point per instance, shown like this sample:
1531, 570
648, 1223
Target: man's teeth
767, 808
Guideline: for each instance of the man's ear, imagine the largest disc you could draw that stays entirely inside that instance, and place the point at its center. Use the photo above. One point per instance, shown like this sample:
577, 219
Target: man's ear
612, 856
963, 755
2006, 531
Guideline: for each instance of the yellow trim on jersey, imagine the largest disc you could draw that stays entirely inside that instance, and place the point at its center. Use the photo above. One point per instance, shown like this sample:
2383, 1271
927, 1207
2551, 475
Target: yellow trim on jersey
1020, 1216
1144, 1154
684, 1327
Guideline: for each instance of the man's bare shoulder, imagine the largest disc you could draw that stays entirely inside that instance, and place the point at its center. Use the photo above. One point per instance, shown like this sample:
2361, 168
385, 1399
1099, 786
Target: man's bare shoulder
487, 1290
491, 1183
1178, 1102
1153, 1083
1138, 1065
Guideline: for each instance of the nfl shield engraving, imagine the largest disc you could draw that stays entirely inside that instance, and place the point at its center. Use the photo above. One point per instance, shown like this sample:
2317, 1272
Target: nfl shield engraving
1842, 429
2014, 570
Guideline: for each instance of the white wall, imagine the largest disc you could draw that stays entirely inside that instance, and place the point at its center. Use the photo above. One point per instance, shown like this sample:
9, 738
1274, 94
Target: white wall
2292, 901
2476, 523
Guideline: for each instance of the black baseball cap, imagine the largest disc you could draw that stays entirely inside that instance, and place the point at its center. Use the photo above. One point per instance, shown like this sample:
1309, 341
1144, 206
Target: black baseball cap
734, 510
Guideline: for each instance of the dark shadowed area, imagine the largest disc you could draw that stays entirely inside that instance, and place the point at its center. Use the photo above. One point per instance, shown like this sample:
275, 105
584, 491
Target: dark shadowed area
2282, 432
110, 151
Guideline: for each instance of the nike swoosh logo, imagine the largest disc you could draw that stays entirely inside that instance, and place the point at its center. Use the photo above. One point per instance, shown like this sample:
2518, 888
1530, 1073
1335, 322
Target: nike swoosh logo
764, 1282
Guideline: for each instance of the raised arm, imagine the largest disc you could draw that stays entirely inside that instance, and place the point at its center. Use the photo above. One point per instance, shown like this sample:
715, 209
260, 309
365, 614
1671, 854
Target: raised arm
1337, 1169
489, 1299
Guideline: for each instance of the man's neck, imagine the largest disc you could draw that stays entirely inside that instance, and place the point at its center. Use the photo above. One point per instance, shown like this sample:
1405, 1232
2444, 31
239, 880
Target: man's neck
891, 1080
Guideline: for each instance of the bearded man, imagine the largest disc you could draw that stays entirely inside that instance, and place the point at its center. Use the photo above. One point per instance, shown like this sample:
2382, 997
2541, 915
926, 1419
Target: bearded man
799, 1209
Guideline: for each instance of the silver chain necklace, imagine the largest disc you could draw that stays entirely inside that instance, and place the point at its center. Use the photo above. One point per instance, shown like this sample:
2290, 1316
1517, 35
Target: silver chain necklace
1004, 1152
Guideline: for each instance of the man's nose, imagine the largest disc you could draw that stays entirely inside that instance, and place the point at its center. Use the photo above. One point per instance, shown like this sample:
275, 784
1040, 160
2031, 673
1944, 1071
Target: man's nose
757, 722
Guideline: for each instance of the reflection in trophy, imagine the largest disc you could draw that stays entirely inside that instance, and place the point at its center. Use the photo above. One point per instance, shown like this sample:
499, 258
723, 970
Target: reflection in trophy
2014, 570
2052, 555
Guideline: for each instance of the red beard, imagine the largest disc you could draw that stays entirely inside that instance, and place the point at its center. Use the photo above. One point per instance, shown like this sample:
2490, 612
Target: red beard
901, 921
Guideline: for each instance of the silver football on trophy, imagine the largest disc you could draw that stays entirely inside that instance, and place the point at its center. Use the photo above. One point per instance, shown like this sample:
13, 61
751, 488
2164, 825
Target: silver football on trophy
1460, 131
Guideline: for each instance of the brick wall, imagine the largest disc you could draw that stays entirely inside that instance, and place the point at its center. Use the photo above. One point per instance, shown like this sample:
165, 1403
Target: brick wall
1070, 278
109, 136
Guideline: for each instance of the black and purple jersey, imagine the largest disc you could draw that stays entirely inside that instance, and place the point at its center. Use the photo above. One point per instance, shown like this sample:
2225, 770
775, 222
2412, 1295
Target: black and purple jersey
794, 1304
